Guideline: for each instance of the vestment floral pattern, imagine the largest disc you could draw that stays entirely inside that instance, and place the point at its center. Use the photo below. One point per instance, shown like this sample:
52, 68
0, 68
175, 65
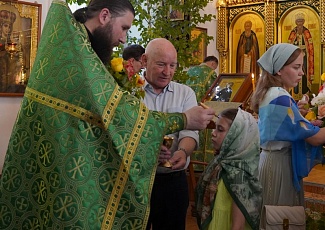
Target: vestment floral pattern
124, 74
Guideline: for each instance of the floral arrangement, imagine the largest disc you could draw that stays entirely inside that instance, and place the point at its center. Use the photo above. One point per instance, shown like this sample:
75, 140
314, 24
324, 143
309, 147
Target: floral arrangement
314, 219
125, 76
316, 114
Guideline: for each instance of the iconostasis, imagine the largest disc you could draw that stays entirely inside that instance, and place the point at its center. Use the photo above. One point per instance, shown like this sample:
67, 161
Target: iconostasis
247, 28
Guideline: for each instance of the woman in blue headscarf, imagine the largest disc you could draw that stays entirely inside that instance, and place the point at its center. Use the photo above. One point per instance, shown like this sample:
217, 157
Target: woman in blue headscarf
290, 144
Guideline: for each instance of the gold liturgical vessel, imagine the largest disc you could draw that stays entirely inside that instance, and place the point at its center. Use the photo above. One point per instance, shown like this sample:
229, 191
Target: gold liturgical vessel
168, 142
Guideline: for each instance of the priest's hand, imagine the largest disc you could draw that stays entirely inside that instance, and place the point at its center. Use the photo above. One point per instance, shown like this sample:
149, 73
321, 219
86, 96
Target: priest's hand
198, 117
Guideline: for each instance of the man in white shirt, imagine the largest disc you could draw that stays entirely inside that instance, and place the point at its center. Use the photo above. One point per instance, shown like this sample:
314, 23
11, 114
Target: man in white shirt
169, 198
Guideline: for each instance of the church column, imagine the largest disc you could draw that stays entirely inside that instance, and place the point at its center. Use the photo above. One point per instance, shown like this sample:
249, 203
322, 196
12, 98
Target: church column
221, 39
322, 34
269, 23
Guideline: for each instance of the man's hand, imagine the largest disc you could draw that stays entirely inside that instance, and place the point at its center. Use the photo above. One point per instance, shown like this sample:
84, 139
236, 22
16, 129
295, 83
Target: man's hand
164, 155
198, 118
178, 160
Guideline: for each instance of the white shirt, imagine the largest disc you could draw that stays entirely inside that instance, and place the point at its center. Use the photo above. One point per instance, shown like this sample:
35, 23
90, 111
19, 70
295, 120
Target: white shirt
175, 98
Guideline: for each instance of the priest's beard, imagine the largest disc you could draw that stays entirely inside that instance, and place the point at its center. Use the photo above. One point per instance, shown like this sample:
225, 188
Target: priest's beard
102, 42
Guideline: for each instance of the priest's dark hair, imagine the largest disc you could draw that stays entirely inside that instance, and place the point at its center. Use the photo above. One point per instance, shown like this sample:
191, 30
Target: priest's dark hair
116, 7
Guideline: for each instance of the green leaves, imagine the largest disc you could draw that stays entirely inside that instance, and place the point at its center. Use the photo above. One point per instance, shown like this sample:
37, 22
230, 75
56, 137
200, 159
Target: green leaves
152, 19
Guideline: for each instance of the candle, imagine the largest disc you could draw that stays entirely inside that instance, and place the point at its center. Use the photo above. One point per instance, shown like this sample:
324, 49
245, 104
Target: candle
253, 82
22, 78
206, 107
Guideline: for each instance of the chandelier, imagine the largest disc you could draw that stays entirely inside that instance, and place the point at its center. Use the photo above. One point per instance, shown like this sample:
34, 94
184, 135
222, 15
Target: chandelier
12, 48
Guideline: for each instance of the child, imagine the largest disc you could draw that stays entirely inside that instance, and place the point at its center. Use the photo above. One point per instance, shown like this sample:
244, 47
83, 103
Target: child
228, 194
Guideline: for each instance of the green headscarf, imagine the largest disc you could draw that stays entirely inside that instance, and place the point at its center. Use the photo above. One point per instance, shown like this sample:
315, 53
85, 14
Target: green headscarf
237, 165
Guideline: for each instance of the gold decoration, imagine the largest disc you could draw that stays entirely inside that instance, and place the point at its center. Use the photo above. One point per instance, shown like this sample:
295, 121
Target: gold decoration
269, 24
221, 39
322, 21
174, 126
23, 76
12, 48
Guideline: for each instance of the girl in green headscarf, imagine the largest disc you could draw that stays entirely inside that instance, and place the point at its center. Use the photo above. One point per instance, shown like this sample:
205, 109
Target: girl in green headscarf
228, 194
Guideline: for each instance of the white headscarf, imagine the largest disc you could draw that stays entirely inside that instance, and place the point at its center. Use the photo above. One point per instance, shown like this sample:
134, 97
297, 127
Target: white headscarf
275, 57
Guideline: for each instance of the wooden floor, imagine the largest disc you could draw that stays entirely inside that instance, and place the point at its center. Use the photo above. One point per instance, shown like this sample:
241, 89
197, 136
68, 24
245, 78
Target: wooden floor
191, 221
316, 176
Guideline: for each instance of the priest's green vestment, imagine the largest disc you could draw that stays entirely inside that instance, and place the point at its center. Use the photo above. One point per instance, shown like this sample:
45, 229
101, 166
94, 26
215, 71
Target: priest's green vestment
83, 152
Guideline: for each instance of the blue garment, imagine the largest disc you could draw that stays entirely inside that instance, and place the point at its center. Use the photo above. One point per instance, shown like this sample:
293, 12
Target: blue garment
280, 120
